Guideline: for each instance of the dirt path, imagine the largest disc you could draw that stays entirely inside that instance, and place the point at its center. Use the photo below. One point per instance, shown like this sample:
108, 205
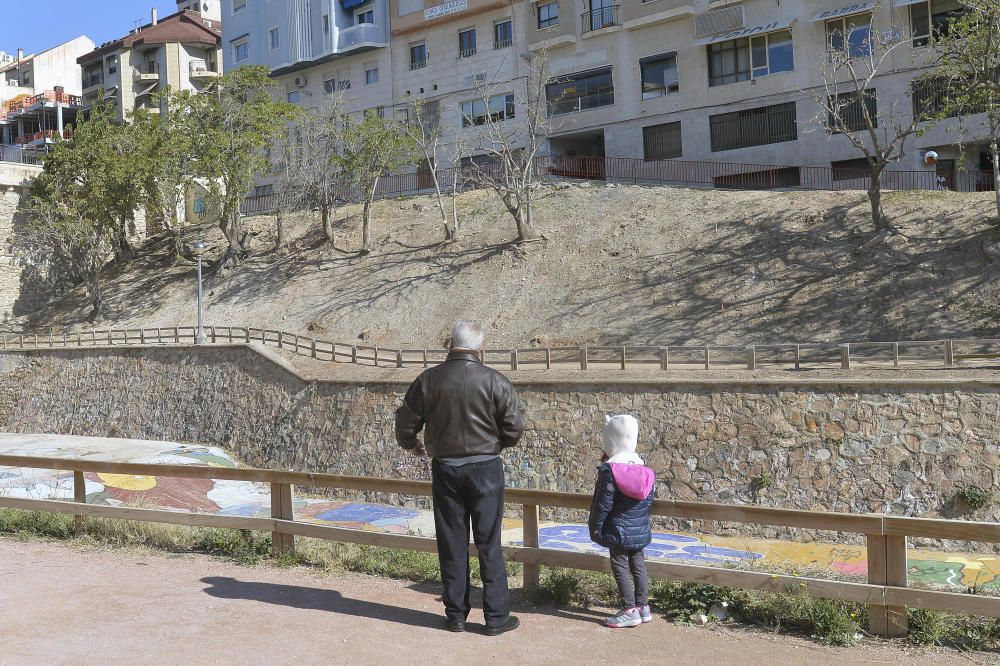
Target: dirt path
64, 606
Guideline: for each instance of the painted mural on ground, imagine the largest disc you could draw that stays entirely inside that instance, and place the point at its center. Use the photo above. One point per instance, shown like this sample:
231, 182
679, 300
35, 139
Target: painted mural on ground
241, 498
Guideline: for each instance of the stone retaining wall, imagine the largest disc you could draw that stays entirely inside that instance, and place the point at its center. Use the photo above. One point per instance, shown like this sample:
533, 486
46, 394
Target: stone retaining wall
798, 444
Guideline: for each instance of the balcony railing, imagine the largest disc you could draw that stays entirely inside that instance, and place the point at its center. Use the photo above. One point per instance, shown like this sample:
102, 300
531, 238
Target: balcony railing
503, 44
418, 64
202, 68
601, 17
361, 35
10, 108
467, 53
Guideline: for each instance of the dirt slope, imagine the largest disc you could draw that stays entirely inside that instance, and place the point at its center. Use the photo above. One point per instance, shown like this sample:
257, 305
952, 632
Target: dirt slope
619, 264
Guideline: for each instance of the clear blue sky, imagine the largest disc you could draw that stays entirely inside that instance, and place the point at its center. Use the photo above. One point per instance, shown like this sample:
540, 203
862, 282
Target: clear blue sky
36, 25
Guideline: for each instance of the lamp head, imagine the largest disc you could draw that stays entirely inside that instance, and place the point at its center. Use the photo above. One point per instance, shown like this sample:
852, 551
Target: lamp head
198, 248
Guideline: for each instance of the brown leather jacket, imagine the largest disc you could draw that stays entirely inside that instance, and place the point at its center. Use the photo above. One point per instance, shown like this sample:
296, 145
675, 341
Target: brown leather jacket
464, 408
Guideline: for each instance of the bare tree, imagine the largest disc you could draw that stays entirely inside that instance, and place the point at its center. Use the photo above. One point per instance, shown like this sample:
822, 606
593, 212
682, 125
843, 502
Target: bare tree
310, 173
878, 128
423, 127
511, 131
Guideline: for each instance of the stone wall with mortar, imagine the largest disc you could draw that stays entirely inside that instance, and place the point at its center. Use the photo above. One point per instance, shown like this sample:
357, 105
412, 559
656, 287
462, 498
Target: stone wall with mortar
848, 446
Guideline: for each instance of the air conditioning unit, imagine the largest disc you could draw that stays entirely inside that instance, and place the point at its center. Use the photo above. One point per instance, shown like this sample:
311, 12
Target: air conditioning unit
13, 82
300, 81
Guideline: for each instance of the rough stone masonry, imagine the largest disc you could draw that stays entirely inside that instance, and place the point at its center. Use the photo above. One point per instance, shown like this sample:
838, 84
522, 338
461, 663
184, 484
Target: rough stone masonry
891, 448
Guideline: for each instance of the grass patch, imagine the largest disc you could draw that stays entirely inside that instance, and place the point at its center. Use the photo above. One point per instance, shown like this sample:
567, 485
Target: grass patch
571, 587
953, 630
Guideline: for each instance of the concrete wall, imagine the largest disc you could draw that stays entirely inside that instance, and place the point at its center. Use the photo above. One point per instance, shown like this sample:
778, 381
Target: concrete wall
903, 447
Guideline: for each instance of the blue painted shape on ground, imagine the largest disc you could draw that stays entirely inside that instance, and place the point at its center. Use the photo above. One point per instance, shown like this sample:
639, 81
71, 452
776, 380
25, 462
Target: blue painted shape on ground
664, 546
372, 514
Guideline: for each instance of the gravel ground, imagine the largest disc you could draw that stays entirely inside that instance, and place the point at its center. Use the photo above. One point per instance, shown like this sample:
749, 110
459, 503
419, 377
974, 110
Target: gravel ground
68, 606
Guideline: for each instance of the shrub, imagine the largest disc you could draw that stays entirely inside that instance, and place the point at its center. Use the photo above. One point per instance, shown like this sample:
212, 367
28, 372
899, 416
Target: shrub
975, 497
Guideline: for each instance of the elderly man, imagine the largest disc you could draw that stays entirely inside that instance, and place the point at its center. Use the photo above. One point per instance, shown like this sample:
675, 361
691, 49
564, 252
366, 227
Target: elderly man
469, 414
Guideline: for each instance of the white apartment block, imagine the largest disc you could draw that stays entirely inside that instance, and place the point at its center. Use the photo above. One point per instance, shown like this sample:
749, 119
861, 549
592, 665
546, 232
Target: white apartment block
40, 93
182, 51
693, 80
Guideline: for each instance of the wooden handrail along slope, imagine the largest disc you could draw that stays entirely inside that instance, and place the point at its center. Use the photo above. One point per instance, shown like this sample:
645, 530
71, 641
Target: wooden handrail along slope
846, 356
886, 591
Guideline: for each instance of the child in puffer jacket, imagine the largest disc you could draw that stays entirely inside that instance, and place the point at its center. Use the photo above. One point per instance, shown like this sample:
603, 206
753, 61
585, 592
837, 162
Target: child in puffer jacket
619, 517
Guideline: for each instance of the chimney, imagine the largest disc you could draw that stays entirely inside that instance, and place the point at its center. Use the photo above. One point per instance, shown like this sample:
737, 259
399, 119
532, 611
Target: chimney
20, 55
153, 13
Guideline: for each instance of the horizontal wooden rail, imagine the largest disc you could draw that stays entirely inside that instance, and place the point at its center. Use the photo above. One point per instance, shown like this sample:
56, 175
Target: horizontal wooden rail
847, 356
886, 591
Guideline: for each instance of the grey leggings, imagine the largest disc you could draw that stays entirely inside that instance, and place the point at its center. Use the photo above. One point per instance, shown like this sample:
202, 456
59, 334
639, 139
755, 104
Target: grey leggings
629, 569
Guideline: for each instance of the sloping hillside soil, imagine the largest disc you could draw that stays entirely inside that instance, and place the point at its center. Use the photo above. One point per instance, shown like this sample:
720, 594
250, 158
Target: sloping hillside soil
624, 264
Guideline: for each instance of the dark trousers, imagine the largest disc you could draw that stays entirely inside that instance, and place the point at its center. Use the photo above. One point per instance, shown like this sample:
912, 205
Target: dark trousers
462, 494
629, 569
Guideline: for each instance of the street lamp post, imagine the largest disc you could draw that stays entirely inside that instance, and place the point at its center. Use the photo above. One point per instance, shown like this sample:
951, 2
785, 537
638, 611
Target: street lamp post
198, 249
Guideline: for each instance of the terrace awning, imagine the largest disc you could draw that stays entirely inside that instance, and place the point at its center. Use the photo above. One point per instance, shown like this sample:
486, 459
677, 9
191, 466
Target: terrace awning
111, 92
148, 90
849, 10
780, 24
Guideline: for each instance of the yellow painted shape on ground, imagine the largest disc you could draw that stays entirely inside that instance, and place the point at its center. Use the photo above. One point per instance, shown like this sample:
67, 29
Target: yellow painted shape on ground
128, 481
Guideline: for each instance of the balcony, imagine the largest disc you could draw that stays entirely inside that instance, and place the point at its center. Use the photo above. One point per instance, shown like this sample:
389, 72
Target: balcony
418, 64
202, 71
147, 72
364, 36
92, 81
467, 53
601, 17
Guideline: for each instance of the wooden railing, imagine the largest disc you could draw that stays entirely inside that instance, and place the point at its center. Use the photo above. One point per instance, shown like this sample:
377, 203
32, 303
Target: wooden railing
831, 355
886, 591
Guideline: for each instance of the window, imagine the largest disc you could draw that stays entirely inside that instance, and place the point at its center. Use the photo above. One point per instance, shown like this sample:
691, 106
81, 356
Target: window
241, 50
851, 113
371, 73
376, 112
293, 96
112, 64
326, 24
601, 15
753, 127
500, 107
343, 79
329, 85
579, 92
503, 34
753, 57
272, 36
402, 115
661, 142
467, 43
239, 5
851, 169
852, 34
931, 18
365, 15
932, 96
410, 6
418, 55
548, 15
659, 75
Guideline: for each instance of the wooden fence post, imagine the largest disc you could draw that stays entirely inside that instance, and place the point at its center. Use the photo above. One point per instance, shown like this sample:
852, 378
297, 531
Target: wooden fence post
354, 353
664, 358
583, 358
399, 358
949, 352
282, 508
845, 356
548, 358
313, 348
895, 354
887, 566
513, 359
424, 357
752, 357
530, 540
708, 356
80, 496
623, 358
798, 358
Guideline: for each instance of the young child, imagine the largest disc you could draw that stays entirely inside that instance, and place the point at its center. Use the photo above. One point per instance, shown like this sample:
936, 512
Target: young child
619, 517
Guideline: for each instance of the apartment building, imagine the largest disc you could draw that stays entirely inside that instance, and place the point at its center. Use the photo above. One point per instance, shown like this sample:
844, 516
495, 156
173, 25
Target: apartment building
727, 81
378, 56
40, 93
182, 51
705, 80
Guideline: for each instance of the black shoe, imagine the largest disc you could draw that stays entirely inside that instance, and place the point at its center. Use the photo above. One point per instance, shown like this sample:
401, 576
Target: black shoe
457, 626
511, 624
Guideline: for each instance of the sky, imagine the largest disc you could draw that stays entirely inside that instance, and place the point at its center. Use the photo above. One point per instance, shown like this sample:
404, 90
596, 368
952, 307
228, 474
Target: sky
36, 25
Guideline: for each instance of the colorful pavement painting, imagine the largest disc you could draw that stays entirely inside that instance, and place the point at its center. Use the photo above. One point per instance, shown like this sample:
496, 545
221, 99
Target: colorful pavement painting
954, 570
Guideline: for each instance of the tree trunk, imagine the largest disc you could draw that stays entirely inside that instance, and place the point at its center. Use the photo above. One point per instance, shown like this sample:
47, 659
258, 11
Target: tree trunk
995, 153
233, 230
327, 222
366, 222
279, 229
96, 296
452, 232
875, 198
525, 226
